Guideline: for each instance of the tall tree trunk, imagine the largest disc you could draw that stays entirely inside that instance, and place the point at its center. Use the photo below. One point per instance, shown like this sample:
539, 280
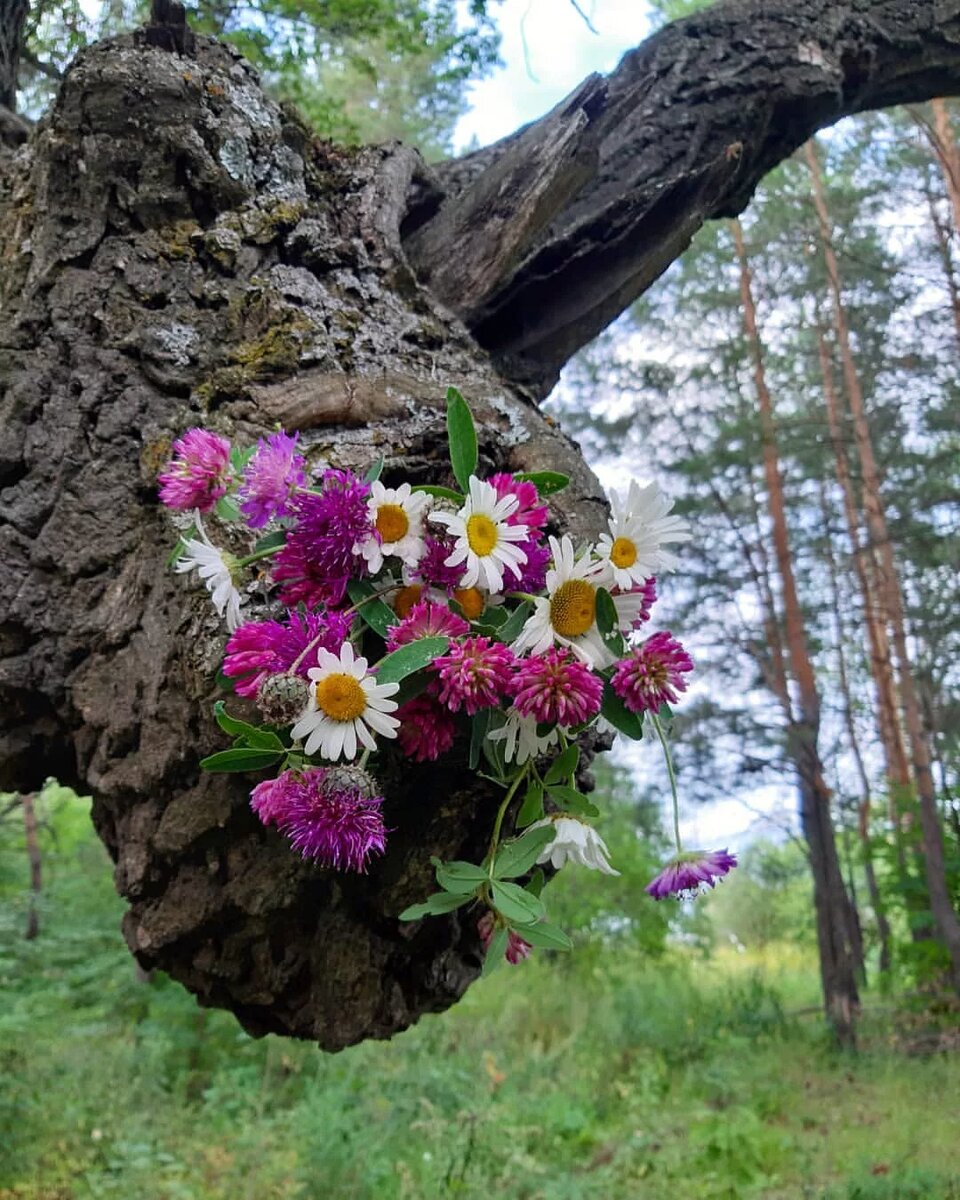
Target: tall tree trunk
884, 935
947, 151
888, 581
835, 938
36, 864
874, 615
942, 237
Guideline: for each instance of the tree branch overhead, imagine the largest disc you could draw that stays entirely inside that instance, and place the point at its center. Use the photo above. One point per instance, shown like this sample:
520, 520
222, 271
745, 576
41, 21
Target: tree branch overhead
680, 133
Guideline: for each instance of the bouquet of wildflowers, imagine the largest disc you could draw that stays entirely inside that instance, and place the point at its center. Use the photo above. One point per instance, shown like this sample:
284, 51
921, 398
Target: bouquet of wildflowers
416, 614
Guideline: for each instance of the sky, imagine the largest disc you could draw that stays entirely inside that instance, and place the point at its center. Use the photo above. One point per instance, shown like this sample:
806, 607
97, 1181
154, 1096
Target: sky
547, 49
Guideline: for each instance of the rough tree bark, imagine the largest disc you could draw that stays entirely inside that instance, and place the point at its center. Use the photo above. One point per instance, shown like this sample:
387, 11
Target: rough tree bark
176, 250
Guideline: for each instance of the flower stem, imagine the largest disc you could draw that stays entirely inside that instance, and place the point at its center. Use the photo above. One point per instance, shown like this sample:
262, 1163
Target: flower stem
655, 720
257, 555
504, 805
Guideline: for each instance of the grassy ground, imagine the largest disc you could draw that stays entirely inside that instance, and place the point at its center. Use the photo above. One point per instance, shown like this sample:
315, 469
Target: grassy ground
600, 1076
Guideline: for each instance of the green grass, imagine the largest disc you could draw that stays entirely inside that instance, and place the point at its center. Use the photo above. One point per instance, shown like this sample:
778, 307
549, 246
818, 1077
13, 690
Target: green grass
602, 1075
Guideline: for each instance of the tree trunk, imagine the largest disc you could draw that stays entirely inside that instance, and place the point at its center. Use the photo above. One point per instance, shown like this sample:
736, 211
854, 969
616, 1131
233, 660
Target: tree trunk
836, 940
945, 147
942, 236
874, 616
221, 269
884, 935
179, 250
888, 585
36, 864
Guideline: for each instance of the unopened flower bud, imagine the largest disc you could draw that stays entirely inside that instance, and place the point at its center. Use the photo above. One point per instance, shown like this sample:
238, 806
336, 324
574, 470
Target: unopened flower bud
282, 698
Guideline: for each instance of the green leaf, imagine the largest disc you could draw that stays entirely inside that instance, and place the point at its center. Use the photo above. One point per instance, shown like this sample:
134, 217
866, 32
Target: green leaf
239, 457
546, 482
224, 682
509, 631
478, 736
494, 753
606, 611
439, 902
546, 936
251, 735
412, 657
411, 687
570, 800
520, 855
227, 509
462, 437
180, 548
608, 623
442, 493
532, 807
519, 907
461, 878
375, 613
494, 615
241, 759
496, 951
535, 882
617, 713
563, 766
665, 713
374, 473
271, 541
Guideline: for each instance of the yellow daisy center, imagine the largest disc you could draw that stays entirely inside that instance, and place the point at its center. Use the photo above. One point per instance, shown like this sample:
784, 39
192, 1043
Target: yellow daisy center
623, 552
406, 598
481, 535
341, 697
573, 607
392, 522
470, 601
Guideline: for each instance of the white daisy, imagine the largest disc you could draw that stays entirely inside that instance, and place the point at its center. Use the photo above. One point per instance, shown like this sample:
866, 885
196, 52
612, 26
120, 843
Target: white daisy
397, 515
485, 542
633, 549
574, 842
346, 702
520, 738
568, 613
213, 567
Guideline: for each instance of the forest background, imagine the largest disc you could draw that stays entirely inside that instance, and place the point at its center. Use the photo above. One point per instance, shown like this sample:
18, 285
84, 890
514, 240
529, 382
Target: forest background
676, 1043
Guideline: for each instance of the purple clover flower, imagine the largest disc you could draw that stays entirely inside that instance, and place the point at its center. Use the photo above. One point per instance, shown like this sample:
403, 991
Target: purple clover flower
331, 814
556, 687
648, 591
198, 474
426, 619
271, 479
474, 674
533, 573
318, 559
262, 648
690, 871
427, 729
517, 947
530, 510
652, 674
432, 568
